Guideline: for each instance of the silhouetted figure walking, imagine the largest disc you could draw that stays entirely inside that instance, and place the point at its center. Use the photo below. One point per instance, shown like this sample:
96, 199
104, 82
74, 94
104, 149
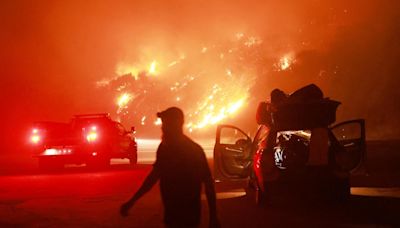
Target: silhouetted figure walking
181, 166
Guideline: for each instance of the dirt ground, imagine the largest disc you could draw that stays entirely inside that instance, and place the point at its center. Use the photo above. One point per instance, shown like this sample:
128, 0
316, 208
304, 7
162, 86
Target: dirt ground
78, 197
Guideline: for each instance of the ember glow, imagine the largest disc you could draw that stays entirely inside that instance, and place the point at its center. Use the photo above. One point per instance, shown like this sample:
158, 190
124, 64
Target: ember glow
76, 57
152, 68
123, 69
123, 101
217, 106
285, 62
212, 115
212, 85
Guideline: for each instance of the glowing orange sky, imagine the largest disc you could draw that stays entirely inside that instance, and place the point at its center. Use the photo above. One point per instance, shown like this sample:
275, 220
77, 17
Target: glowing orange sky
54, 51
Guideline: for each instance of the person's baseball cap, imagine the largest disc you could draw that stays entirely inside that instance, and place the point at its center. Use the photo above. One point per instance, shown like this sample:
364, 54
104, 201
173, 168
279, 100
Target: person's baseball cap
172, 114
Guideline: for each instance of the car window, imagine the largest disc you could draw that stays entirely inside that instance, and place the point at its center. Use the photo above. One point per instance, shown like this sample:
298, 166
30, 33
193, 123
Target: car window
231, 136
348, 131
287, 134
79, 123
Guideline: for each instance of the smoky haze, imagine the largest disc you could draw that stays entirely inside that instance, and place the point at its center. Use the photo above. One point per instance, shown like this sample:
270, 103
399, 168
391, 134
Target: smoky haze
54, 52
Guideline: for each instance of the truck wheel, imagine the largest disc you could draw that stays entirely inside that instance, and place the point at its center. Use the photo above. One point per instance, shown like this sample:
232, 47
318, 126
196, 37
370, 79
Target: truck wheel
50, 164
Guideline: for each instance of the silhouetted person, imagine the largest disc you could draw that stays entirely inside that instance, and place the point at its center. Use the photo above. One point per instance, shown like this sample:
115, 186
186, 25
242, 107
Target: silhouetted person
181, 166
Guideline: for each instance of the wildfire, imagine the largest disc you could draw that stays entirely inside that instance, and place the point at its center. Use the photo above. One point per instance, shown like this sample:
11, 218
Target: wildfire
132, 69
252, 41
157, 122
143, 121
152, 68
223, 102
123, 101
210, 86
124, 69
285, 62
214, 115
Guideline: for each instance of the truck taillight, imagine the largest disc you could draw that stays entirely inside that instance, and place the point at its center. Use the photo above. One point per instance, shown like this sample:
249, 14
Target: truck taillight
35, 139
92, 134
35, 136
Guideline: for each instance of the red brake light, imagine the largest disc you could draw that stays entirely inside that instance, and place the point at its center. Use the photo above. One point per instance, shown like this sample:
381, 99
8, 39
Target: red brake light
92, 134
35, 137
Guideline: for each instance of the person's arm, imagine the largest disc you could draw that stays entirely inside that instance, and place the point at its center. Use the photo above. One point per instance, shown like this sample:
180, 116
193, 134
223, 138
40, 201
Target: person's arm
212, 201
148, 183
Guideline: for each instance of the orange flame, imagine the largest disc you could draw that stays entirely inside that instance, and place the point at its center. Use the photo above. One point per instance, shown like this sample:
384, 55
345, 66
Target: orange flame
286, 61
229, 94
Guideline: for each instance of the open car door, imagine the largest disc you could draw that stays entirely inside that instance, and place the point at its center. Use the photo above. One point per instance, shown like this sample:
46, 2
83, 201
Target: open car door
232, 153
350, 150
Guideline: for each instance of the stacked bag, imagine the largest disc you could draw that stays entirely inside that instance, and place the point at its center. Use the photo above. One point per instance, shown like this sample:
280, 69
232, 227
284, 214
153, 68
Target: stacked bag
306, 108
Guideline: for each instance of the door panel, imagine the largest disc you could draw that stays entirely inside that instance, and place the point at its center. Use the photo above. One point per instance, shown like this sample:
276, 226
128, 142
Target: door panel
348, 144
232, 153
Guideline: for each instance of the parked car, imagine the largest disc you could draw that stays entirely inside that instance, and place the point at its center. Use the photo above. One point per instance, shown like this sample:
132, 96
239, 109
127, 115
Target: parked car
311, 161
91, 139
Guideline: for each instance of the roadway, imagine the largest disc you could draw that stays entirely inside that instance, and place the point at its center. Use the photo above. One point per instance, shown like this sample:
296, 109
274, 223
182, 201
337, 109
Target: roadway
78, 197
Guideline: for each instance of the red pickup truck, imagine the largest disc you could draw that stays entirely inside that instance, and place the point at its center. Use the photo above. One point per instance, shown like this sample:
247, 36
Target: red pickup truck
91, 139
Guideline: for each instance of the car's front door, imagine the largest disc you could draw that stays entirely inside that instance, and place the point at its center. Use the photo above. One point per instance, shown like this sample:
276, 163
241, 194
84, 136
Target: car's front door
348, 144
232, 153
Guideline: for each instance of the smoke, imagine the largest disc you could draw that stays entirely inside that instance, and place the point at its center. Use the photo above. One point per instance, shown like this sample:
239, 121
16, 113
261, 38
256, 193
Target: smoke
54, 52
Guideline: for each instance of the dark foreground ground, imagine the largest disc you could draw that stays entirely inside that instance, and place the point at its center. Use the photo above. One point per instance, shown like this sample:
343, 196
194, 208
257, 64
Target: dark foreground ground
78, 197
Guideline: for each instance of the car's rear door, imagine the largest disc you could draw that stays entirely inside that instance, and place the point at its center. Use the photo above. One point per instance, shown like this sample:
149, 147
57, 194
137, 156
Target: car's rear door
232, 153
348, 144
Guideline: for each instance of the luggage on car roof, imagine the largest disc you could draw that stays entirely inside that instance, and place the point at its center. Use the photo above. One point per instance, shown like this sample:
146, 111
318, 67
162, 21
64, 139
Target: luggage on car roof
304, 109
